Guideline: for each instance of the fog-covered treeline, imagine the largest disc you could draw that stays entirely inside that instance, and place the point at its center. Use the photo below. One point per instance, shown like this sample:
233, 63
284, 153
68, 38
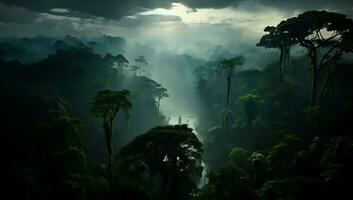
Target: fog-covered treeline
104, 118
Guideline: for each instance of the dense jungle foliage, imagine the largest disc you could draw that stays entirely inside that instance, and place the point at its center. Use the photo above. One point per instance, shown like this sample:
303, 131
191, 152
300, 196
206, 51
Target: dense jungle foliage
82, 121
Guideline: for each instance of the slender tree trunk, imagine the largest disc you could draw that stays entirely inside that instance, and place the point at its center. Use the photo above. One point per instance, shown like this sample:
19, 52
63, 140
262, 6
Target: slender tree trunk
284, 60
229, 77
120, 68
324, 86
158, 103
315, 74
287, 58
108, 138
281, 61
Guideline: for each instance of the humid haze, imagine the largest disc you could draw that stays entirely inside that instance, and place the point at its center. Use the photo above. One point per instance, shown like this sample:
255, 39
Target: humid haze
177, 99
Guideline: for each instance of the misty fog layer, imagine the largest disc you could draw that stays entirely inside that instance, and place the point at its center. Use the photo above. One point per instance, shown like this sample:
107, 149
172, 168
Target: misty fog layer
177, 99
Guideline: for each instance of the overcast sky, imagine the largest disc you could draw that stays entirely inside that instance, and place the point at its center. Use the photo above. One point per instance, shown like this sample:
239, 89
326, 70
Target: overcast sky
180, 25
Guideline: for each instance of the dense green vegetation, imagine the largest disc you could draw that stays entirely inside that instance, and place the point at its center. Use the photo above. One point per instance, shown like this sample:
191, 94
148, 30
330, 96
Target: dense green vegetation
81, 121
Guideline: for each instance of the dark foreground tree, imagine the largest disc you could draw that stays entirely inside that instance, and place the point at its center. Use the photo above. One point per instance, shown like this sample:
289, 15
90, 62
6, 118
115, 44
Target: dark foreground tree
172, 153
319, 31
106, 105
346, 46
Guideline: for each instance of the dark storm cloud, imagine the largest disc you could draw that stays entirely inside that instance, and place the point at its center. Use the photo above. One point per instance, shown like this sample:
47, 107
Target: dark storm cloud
111, 9
117, 9
339, 5
275, 3
343, 6
14, 14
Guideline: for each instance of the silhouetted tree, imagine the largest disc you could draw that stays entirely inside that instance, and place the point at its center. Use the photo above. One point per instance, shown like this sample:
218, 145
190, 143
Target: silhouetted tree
106, 105
228, 66
172, 152
316, 30
278, 39
161, 92
121, 61
109, 58
141, 62
154, 88
345, 46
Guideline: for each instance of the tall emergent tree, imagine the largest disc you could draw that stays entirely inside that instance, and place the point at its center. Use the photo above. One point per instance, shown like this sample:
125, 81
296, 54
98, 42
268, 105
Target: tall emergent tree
228, 66
322, 33
278, 39
346, 46
155, 89
121, 61
106, 105
140, 62
161, 92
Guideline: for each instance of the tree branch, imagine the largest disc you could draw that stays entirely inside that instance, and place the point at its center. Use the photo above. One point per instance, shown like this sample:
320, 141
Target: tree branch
325, 59
322, 37
304, 43
335, 55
